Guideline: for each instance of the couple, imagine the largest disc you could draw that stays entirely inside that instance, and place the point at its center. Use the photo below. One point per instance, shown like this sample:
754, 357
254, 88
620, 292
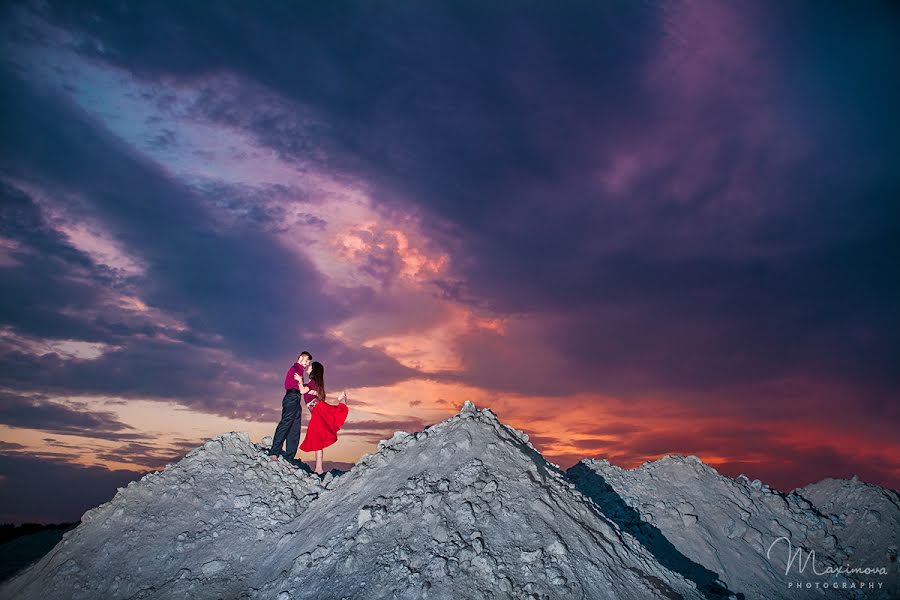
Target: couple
305, 381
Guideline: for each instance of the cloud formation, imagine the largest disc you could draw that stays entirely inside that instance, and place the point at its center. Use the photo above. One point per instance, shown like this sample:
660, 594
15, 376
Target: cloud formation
587, 215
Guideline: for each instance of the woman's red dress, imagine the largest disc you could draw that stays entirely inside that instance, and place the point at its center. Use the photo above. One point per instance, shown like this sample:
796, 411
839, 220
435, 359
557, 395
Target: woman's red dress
324, 423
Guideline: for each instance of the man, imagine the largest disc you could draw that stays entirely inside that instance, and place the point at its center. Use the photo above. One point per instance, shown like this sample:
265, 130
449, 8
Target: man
288, 428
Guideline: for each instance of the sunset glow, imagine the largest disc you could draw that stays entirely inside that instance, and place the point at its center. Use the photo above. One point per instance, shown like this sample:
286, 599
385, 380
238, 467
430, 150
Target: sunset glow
630, 231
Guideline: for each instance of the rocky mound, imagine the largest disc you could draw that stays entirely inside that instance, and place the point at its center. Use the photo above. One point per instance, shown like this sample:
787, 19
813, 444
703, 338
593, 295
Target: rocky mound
196, 522
685, 512
865, 520
466, 508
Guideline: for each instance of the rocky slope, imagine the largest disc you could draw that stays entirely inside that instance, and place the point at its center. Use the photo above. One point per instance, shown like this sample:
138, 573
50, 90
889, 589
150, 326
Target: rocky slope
865, 522
687, 513
466, 508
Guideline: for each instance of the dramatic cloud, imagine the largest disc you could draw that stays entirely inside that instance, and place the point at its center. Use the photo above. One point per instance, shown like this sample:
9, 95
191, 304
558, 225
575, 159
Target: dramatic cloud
627, 226
150, 456
18, 411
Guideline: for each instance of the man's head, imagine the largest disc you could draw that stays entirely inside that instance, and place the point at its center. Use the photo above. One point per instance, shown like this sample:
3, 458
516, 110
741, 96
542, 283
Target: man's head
304, 359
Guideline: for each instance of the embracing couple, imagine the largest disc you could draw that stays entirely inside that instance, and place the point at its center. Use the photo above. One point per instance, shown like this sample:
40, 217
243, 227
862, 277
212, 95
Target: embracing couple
304, 385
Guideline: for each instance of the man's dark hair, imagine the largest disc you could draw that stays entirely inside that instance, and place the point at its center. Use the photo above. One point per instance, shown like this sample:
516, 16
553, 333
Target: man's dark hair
305, 353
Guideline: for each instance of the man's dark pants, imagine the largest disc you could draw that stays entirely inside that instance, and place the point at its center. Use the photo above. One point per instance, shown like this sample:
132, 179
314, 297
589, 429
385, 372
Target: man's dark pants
288, 429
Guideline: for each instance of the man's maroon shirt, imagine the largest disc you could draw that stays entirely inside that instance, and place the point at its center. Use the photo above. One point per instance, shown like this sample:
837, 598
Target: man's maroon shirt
289, 382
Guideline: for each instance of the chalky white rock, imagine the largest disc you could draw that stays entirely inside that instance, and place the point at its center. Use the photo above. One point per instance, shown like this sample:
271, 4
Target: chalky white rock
466, 508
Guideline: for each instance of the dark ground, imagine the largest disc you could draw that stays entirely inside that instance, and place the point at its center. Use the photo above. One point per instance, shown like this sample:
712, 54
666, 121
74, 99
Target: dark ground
21, 545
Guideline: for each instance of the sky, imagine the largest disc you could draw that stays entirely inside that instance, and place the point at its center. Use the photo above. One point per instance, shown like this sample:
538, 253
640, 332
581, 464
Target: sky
630, 228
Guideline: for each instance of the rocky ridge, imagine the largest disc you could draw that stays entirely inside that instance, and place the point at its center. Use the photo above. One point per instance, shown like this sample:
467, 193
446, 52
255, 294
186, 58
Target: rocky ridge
466, 508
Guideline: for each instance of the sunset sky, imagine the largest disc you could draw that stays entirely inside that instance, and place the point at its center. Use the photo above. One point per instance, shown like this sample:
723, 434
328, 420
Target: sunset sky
630, 228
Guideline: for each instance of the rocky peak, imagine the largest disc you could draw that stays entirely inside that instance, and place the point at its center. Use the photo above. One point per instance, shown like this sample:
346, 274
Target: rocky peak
467, 507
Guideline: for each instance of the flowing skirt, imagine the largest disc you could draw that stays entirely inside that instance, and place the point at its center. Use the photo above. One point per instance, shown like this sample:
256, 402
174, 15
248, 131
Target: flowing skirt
324, 423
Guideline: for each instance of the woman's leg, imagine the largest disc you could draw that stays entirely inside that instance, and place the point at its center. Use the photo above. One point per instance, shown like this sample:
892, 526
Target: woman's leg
319, 468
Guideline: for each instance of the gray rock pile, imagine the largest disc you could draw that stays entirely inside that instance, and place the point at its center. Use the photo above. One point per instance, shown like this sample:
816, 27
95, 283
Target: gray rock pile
466, 508
687, 514
864, 523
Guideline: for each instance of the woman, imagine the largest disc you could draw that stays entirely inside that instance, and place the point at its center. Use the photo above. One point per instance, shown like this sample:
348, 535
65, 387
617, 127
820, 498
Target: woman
326, 416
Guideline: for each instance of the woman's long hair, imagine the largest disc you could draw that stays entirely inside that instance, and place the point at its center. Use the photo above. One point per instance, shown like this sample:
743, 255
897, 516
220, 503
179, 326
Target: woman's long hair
317, 374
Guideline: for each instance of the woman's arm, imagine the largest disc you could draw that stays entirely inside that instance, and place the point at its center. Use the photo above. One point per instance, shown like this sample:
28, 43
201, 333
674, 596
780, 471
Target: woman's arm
303, 389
